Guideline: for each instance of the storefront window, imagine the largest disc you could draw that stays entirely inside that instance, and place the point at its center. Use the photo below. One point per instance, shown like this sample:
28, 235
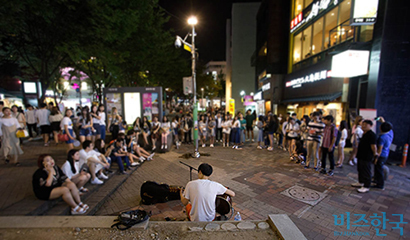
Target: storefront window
366, 33
297, 48
317, 45
331, 22
306, 42
298, 7
344, 11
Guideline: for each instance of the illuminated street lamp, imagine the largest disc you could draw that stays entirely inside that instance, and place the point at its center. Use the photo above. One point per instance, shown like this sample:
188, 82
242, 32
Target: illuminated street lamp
178, 43
202, 89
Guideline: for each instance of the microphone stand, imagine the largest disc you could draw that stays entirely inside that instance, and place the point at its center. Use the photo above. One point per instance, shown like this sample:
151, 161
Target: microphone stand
190, 169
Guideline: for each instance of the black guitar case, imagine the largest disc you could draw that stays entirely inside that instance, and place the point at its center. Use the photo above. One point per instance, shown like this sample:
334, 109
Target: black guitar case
152, 192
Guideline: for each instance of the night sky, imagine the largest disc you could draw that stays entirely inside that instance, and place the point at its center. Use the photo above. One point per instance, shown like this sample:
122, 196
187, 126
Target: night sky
211, 27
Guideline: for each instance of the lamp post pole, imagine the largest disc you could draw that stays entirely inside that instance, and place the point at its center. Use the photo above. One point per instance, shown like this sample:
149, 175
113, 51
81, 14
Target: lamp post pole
196, 152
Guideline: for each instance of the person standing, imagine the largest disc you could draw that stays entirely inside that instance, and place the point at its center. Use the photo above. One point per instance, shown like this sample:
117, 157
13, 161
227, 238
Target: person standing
260, 125
156, 125
315, 131
55, 120
328, 144
10, 144
366, 154
211, 131
67, 127
342, 143
96, 134
43, 121
272, 128
383, 148
202, 130
219, 119
101, 114
31, 121
85, 123
165, 126
292, 129
1, 109
357, 133
19, 114
226, 130
250, 119
242, 128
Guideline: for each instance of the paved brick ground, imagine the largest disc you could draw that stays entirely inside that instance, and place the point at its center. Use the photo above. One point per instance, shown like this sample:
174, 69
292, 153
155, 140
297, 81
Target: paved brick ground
258, 177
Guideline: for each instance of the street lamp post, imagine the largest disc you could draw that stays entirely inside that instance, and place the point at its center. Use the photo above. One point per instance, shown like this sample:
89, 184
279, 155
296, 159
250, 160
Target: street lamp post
202, 89
193, 21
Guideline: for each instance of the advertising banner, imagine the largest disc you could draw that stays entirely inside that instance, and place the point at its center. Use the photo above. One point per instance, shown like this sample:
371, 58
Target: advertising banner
150, 105
364, 12
231, 106
187, 85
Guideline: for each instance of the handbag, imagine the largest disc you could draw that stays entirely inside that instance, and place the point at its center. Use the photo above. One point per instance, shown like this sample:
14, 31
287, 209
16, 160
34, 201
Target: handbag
128, 219
63, 137
21, 133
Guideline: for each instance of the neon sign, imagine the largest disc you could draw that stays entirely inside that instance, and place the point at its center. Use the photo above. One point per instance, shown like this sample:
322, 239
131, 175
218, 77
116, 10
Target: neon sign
313, 77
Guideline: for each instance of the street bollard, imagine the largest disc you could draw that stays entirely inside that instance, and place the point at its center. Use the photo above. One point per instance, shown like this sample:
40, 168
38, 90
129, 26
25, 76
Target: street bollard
404, 158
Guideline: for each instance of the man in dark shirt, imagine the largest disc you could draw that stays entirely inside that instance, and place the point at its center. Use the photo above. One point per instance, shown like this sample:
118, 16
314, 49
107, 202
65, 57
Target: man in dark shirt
366, 153
250, 118
119, 155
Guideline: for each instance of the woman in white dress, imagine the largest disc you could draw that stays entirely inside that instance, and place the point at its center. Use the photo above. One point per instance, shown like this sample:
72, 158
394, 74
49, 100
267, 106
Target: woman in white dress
10, 144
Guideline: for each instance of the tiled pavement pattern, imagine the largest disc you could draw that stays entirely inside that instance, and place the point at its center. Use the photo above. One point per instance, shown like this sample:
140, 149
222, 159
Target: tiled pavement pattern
257, 176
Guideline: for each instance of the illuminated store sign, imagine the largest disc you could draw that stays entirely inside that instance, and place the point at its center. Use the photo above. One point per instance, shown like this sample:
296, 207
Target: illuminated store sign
266, 87
313, 77
257, 96
364, 12
350, 63
314, 10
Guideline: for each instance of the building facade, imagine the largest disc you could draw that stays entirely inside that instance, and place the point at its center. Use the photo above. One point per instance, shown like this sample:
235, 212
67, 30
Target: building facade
242, 43
345, 58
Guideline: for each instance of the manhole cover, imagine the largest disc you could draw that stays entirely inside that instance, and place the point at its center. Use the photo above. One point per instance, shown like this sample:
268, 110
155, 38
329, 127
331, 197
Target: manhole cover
305, 195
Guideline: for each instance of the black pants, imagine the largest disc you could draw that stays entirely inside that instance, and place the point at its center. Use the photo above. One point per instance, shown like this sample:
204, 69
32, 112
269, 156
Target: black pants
325, 153
364, 169
115, 131
32, 127
218, 134
378, 172
187, 136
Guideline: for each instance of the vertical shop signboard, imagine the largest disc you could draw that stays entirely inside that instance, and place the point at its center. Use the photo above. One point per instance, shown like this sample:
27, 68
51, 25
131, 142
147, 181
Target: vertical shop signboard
231, 107
150, 105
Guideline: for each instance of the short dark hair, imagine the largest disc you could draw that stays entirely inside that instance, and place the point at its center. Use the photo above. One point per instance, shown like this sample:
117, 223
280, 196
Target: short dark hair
205, 169
329, 118
130, 132
386, 127
86, 144
368, 122
43, 105
316, 114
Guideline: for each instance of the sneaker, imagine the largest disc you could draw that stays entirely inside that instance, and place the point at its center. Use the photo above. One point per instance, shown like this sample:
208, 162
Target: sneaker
203, 145
355, 160
212, 145
351, 163
45, 144
103, 176
124, 173
357, 184
142, 159
291, 158
306, 167
149, 158
330, 173
378, 187
323, 171
223, 144
78, 210
162, 146
363, 190
227, 144
259, 147
315, 168
96, 181
302, 163
152, 155
233, 146
134, 164
253, 140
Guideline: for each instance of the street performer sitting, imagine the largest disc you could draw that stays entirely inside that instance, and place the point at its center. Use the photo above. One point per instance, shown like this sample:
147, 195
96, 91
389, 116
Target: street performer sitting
202, 195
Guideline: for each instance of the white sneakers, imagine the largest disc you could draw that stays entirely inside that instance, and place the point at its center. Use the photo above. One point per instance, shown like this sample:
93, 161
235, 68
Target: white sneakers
203, 145
212, 145
142, 159
152, 155
103, 176
134, 164
96, 181
363, 190
259, 147
352, 163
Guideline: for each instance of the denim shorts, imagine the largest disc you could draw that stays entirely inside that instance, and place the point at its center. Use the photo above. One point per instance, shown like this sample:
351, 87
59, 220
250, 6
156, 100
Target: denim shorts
86, 132
72, 134
97, 129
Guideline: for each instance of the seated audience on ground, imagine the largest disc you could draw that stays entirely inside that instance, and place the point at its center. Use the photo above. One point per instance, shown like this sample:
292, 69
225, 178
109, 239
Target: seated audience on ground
134, 147
95, 161
78, 174
49, 182
118, 155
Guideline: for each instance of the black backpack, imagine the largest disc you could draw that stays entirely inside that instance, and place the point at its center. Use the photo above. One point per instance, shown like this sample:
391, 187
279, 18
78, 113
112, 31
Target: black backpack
128, 219
152, 192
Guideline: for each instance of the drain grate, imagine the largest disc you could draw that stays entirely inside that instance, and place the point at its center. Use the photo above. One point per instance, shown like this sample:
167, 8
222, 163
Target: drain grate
305, 195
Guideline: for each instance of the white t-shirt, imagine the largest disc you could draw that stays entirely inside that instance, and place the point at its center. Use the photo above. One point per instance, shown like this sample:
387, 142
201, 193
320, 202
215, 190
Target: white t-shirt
8, 122
202, 195
102, 120
31, 116
96, 120
293, 129
66, 168
42, 116
85, 155
66, 121
343, 136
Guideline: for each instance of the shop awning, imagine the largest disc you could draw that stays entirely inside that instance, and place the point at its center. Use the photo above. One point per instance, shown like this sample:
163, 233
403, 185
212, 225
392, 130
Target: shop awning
320, 98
